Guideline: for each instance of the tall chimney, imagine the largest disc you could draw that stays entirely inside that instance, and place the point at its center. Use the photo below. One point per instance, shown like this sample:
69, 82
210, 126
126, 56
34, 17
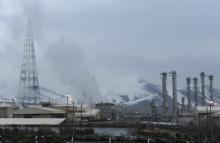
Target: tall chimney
183, 104
174, 85
195, 80
164, 91
188, 81
211, 87
202, 75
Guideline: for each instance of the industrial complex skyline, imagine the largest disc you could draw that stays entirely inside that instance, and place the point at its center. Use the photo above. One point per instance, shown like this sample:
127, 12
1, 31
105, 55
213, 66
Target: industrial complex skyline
109, 40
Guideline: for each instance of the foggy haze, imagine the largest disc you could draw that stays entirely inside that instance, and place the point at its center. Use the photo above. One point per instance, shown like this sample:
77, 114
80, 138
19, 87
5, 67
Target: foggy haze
82, 46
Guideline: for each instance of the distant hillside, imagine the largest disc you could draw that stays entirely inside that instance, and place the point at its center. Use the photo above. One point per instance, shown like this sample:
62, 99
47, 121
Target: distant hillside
137, 94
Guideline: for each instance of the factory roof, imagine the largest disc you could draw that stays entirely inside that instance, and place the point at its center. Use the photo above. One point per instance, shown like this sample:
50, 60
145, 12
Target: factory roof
31, 121
38, 110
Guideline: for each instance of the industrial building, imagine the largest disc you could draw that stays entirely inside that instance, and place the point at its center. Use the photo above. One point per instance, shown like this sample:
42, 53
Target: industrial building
39, 112
107, 110
31, 121
47, 110
6, 111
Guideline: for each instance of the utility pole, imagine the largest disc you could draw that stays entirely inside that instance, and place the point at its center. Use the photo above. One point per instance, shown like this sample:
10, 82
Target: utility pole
67, 105
73, 118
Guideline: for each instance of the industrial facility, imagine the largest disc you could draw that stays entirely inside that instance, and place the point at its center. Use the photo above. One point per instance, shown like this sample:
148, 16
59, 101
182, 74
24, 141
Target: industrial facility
196, 118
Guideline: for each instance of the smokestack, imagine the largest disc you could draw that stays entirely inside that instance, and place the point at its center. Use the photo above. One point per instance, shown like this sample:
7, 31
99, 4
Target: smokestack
174, 85
164, 91
188, 81
195, 80
211, 87
183, 104
202, 75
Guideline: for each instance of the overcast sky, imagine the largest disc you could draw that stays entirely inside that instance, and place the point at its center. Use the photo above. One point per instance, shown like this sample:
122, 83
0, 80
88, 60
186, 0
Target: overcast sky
107, 40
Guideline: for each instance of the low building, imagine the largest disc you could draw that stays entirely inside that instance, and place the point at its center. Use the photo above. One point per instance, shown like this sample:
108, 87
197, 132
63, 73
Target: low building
107, 110
47, 110
6, 111
31, 121
81, 112
87, 115
207, 113
39, 112
203, 111
207, 109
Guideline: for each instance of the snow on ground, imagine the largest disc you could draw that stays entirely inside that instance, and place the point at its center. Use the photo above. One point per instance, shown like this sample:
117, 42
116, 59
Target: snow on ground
134, 89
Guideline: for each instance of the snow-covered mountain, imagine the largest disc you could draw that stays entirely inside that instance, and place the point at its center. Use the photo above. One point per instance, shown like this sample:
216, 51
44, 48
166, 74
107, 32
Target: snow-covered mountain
134, 92
137, 93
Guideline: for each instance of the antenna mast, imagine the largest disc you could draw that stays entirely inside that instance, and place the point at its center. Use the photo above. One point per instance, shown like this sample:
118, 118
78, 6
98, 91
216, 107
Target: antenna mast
29, 91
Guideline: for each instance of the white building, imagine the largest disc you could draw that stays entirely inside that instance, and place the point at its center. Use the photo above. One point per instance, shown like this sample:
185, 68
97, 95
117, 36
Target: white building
6, 111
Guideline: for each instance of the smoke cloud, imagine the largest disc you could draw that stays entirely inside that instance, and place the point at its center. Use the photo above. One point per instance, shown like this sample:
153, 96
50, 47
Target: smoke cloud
68, 62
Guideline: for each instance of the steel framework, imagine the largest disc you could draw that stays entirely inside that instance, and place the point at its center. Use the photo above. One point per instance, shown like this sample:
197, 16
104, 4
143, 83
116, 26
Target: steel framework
29, 91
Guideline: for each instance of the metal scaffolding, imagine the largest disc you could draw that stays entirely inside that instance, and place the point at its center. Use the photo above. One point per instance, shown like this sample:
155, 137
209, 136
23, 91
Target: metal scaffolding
29, 92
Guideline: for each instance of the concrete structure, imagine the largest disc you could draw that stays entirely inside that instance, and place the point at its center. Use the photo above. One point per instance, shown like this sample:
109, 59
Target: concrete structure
6, 111
164, 92
188, 92
31, 121
183, 104
211, 87
81, 112
48, 110
216, 121
205, 113
39, 112
202, 75
204, 109
106, 110
195, 81
174, 86
90, 114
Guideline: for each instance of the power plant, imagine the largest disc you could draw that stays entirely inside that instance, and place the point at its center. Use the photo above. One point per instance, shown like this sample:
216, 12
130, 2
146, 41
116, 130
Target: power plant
192, 93
171, 118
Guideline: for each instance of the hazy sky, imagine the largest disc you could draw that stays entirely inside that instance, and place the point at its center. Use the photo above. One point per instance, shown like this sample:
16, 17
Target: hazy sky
110, 39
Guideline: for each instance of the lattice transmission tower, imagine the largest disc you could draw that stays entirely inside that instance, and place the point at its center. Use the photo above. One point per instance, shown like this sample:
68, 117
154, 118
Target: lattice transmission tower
29, 91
